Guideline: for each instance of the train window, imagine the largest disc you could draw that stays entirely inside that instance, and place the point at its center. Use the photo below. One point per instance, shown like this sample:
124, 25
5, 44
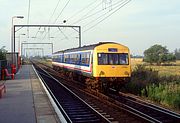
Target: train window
76, 58
85, 58
102, 59
113, 59
66, 58
72, 58
59, 58
55, 58
123, 58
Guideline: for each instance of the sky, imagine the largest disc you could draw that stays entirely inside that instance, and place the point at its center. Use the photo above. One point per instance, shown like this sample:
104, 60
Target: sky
138, 25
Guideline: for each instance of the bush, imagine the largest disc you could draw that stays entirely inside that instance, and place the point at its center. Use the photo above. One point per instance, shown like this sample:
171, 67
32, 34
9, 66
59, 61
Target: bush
141, 77
146, 82
167, 94
144, 75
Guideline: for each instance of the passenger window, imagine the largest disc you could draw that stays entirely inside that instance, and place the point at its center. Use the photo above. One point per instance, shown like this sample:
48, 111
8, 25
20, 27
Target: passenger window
66, 58
102, 59
85, 58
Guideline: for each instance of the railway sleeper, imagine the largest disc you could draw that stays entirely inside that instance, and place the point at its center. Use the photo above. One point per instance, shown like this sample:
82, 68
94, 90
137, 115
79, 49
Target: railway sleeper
74, 108
107, 115
110, 118
74, 113
83, 115
103, 113
87, 119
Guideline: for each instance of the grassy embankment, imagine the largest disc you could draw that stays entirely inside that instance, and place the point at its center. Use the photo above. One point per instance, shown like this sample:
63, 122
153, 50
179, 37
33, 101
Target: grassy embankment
48, 62
157, 83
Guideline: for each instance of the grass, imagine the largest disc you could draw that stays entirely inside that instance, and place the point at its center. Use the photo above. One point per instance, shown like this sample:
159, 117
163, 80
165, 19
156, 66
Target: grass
172, 69
165, 89
167, 94
46, 61
167, 70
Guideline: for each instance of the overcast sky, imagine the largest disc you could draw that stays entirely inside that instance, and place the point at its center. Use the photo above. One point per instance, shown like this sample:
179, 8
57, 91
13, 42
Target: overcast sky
138, 25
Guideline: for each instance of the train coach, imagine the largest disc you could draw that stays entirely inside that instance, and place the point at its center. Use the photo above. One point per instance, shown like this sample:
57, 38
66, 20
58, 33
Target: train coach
101, 66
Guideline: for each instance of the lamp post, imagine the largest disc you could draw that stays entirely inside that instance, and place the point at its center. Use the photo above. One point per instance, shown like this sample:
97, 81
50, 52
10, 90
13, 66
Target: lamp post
12, 43
19, 56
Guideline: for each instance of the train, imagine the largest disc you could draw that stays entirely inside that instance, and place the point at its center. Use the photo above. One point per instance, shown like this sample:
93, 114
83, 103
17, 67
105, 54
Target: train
100, 66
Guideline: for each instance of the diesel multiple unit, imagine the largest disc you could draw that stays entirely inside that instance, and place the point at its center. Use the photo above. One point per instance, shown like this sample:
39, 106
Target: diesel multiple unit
102, 65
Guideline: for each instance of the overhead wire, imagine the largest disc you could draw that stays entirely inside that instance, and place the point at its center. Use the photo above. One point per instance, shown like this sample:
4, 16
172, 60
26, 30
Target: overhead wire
84, 16
62, 33
37, 32
107, 16
95, 13
66, 37
61, 12
81, 10
50, 17
54, 11
91, 10
117, 6
58, 15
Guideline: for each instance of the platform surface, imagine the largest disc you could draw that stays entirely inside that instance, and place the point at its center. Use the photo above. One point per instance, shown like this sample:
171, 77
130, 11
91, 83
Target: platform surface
25, 100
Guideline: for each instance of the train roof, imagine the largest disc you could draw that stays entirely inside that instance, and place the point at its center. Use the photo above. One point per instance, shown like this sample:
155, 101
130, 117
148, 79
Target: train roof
85, 47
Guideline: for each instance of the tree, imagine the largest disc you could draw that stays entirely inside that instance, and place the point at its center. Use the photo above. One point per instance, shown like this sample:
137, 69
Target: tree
3, 53
177, 53
170, 57
158, 54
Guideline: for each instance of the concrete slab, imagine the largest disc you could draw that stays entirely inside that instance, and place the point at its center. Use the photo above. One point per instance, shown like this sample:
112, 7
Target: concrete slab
25, 100
17, 104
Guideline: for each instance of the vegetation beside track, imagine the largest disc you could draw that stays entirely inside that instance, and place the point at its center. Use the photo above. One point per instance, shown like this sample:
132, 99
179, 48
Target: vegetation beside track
48, 62
160, 84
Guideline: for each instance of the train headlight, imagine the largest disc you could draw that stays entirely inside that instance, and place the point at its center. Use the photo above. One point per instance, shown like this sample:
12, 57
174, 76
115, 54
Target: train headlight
126, 73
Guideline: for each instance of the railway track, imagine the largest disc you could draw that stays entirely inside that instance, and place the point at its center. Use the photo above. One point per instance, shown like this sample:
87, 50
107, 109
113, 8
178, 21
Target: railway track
113, 113
145, 111
74, 109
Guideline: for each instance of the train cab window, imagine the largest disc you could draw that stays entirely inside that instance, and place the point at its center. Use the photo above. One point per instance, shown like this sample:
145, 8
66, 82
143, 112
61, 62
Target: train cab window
113, 59
102, 59
123, 58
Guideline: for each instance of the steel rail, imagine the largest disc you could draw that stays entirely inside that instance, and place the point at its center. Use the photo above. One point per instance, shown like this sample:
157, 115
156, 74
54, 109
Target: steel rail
146, 111
104, 119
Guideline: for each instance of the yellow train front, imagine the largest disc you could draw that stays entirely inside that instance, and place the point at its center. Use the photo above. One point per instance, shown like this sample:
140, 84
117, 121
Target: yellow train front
102, 66
111, 65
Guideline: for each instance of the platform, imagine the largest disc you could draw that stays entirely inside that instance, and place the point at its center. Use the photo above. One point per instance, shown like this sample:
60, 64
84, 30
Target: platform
25, 100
